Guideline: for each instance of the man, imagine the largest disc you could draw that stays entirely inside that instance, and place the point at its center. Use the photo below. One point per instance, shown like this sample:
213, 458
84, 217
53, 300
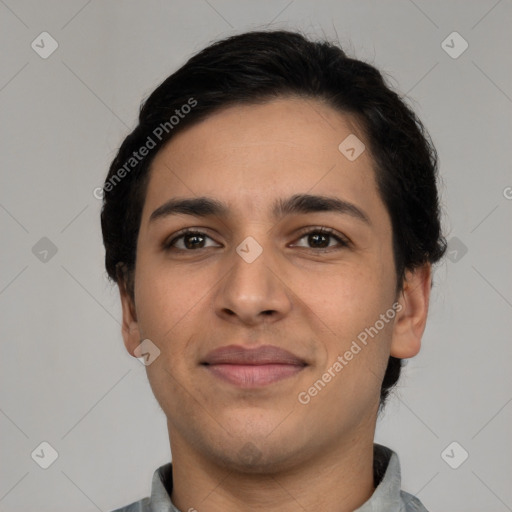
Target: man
272, 223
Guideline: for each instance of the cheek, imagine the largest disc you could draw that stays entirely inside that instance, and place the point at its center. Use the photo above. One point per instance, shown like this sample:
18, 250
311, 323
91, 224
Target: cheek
165, 294
350, 303
347, 298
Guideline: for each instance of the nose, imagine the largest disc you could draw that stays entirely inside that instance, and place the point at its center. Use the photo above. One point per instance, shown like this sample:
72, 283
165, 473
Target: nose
253, 293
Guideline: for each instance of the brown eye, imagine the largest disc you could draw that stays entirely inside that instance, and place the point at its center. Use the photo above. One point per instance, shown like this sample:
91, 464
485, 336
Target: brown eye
188, 241
321, 238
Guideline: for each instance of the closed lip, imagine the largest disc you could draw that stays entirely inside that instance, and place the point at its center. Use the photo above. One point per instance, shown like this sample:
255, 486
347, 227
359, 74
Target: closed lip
263, 355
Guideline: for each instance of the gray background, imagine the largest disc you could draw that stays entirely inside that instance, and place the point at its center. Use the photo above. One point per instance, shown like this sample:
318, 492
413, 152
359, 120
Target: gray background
65, 375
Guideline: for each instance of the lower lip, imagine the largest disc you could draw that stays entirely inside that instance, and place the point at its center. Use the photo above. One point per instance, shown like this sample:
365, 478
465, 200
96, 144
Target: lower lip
251, 376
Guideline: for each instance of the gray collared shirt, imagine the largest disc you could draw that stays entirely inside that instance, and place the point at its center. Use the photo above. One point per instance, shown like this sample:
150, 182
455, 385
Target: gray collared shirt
387, 496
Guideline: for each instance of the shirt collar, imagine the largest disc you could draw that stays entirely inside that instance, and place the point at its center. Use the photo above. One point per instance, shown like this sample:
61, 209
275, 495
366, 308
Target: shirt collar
387, 479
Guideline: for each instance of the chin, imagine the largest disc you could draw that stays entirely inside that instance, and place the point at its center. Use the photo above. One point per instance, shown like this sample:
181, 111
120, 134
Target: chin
264, 455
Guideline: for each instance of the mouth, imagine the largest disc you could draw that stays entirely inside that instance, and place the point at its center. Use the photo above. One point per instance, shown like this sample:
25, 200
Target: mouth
252, 368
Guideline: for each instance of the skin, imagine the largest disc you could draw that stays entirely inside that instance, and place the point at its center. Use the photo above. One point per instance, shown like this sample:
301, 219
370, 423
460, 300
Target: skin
312, 303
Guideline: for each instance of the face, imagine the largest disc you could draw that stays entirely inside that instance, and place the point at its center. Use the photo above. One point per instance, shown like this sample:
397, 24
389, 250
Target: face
309, 278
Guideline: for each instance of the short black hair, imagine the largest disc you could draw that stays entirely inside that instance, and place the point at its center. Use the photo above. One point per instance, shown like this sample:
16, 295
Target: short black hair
256, 67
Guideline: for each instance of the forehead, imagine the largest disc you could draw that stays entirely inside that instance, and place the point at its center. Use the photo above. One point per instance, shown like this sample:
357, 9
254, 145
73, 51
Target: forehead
249, 155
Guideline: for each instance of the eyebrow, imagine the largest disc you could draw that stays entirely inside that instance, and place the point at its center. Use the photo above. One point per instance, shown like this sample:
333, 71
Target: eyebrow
297, 204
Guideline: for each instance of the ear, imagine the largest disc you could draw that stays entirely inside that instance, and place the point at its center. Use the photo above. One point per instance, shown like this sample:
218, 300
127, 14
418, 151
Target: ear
412, 312
130, 327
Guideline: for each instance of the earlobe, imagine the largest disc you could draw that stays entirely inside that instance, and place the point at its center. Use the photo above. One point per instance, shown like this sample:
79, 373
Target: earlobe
411, 318
129, 327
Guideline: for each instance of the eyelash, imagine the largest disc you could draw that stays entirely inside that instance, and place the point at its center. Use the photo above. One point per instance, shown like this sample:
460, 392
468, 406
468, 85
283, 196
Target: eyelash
343, 242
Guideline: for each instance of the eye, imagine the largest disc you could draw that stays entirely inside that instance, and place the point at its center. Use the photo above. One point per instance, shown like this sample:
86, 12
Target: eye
188, 240
320, 238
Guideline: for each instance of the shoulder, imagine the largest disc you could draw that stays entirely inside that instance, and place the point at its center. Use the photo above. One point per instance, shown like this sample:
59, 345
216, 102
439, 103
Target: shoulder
161, 485
142, 505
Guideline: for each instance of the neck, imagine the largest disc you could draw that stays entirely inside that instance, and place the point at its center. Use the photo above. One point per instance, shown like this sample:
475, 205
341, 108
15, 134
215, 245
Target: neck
340, 479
